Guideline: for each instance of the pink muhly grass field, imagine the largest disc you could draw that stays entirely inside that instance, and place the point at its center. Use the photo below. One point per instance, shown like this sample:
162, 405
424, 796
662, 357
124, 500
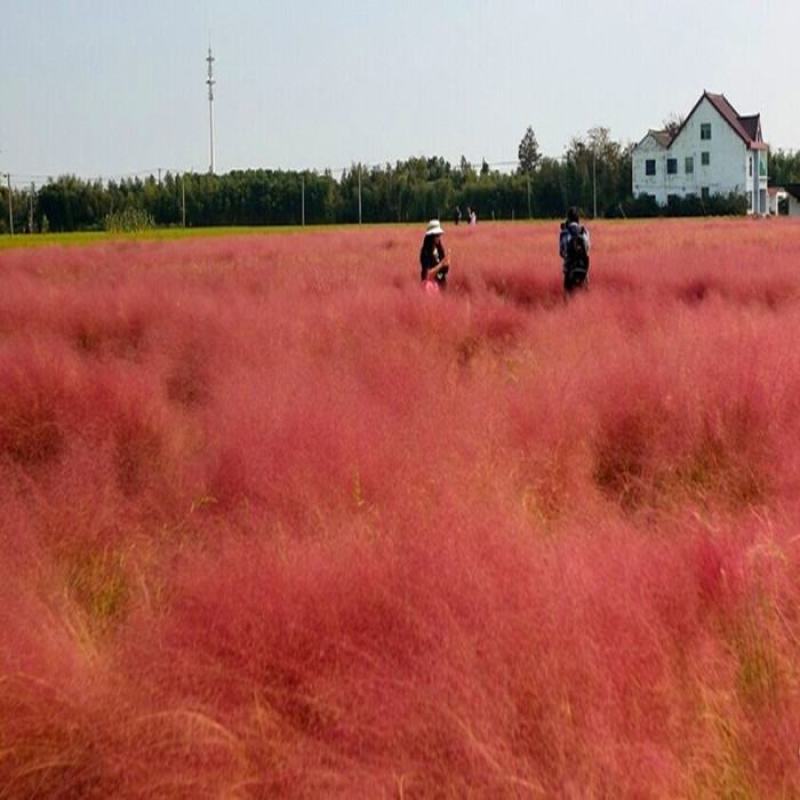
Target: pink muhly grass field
277, 523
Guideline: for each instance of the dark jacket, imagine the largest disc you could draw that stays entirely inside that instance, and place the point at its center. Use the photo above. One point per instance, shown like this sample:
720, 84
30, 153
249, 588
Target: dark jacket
430, 256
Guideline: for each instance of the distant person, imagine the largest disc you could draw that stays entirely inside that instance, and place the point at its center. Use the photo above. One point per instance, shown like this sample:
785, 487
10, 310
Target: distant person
573, 246
473, 216
457, 216
433, 260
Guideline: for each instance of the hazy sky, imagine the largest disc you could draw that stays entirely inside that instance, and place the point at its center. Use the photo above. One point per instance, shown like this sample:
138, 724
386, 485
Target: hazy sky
107, 87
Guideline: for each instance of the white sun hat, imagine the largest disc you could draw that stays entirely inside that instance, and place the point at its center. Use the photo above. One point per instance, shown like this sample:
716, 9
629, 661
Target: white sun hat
434, 228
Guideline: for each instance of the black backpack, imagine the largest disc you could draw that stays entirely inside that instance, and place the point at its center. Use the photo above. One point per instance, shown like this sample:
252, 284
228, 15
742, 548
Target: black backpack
577, 257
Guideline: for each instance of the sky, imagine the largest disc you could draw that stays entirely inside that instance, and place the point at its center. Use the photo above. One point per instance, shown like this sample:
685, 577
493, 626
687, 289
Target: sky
106, 88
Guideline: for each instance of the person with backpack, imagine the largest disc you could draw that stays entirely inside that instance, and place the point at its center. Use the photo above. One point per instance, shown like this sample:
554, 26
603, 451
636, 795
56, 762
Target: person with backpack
573, 245
434, 263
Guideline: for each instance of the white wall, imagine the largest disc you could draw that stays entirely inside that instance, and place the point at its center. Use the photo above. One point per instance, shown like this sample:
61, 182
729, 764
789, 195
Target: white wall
727, 172
648, 149
794, 206
774, 201
759, 181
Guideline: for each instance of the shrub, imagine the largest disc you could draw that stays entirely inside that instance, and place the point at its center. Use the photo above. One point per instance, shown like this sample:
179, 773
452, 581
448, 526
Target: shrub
692, 205
128, 220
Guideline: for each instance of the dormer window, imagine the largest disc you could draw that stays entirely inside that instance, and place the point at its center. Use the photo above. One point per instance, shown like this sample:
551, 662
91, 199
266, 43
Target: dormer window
705, 131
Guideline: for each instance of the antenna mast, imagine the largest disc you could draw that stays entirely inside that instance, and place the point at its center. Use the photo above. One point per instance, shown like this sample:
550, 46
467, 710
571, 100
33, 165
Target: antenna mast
210, 82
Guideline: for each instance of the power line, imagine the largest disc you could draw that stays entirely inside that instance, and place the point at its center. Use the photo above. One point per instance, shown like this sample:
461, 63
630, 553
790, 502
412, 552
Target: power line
25, 178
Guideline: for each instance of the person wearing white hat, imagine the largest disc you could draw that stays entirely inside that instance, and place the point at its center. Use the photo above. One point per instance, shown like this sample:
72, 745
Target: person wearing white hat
433, 260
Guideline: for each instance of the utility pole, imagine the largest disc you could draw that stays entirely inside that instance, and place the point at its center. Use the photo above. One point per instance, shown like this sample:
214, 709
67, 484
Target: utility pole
183, 201
303, 200
30, 208
529, 196
159, 177
594, 183
359, 194
10, 206
210, 82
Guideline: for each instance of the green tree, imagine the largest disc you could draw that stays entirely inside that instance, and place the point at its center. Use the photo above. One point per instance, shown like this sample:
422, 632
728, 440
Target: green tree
597, 163
528, 153
784, 167
673, 123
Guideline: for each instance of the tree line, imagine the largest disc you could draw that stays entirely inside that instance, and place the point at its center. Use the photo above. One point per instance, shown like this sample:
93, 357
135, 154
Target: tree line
594, 174
784, 167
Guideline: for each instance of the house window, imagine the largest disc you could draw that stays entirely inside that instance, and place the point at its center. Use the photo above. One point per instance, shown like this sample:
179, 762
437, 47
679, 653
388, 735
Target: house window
689, 165
672, 166
705, 131
750, 172
705, 158
650, 166
705, 193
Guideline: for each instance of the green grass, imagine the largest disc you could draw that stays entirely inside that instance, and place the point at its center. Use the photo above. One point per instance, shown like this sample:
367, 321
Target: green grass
157, 234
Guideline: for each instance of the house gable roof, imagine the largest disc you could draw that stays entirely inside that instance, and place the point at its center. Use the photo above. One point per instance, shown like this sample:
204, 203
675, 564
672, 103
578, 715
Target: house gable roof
658, 138
747, 128
752, 126
662, 137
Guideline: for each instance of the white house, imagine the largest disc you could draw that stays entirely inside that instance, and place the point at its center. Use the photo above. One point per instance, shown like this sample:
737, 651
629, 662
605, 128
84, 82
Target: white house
793, 190
715, 151
776, 194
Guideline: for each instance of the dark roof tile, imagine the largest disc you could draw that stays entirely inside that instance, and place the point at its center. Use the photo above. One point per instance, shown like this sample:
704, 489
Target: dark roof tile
744, 126
752, 126
748, 128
